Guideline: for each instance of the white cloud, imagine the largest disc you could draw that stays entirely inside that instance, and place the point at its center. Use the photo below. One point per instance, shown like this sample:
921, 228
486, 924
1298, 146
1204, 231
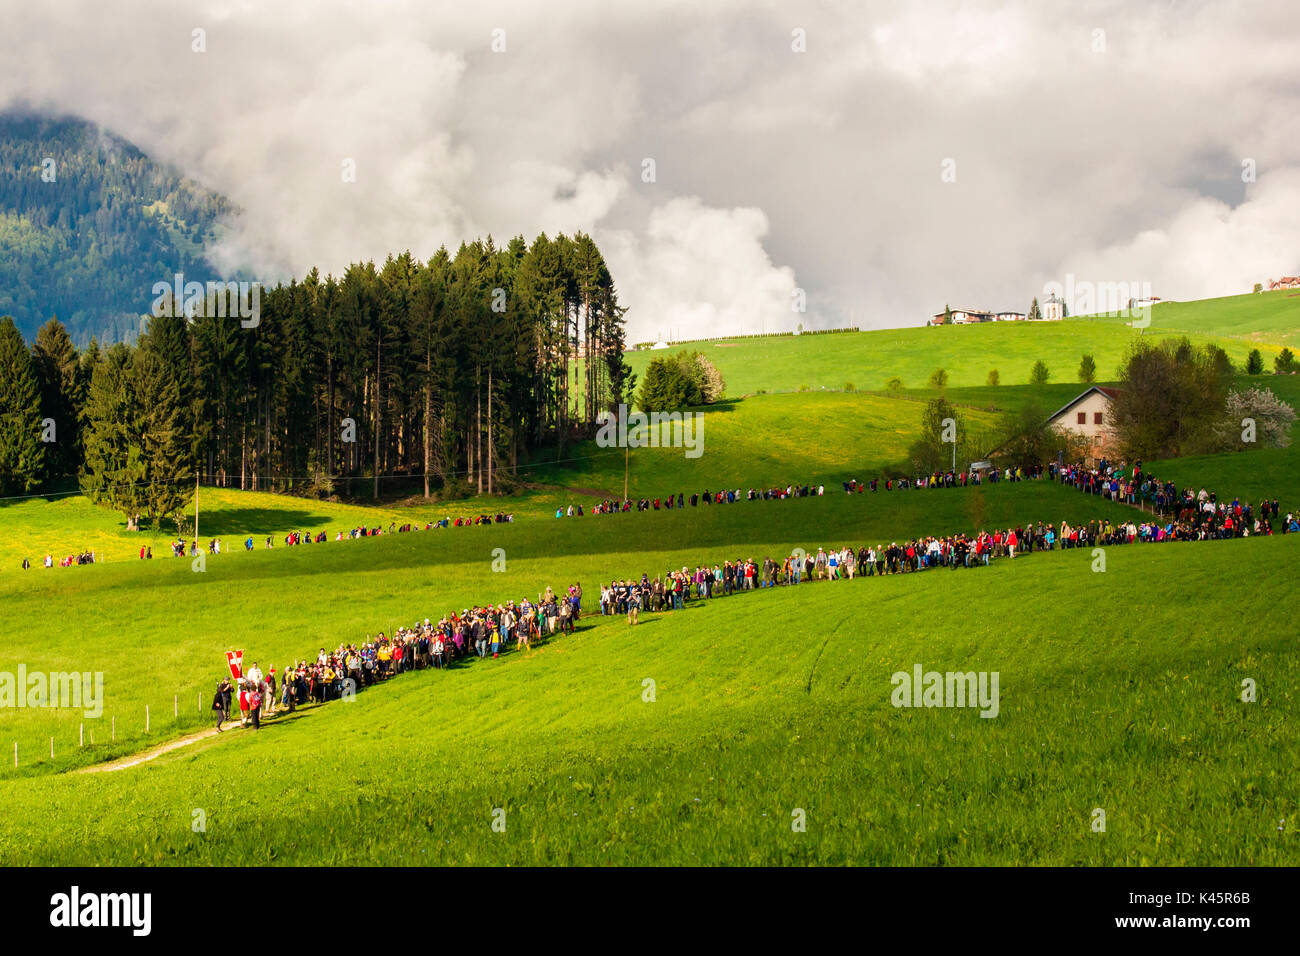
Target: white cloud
1207, 248
697, 271
771, 164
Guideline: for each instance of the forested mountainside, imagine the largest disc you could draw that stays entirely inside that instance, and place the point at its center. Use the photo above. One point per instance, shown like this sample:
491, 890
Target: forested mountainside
88, 223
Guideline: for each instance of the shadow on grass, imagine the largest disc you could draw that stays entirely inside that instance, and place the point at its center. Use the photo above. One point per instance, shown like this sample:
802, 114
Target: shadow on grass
221, 522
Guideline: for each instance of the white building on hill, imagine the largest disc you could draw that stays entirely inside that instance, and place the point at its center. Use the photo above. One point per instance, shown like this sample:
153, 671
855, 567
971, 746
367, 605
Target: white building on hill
1089, 416
1053, 308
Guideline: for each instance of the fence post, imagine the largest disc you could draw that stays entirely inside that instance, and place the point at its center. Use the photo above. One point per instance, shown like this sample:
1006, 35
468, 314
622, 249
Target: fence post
51, 748
83, 735
146, 718
15, 753
176, 711
113, 729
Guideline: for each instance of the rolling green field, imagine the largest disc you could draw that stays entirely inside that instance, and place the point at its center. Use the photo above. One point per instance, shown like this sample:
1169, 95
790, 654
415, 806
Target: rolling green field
867, 360
172, 624
765, 704
1120, 689
1263, 318
758, 441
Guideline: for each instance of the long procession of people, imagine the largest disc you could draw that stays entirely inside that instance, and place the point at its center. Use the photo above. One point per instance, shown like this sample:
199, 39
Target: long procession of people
1121, 484
482, 631
1176, 515
1184, 515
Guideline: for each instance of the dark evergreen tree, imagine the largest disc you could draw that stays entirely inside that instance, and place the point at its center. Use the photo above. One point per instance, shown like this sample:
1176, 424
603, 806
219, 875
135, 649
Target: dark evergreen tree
63, 395
22, 452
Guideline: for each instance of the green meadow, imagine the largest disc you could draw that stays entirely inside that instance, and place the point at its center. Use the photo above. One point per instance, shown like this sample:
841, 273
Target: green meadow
172, 624
699, 736
762, 440
1262, 318
867, 360
1119, 691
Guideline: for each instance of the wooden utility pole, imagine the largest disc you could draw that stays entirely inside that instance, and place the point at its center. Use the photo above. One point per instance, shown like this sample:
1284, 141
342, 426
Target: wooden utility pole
196, 512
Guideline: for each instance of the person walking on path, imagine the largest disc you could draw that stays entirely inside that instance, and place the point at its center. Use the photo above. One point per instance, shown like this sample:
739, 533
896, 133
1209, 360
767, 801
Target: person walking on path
221, 702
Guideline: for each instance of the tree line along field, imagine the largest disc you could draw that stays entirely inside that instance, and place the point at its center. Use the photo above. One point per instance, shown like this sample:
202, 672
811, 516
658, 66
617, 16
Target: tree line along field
761, 441
755, 441
766, 704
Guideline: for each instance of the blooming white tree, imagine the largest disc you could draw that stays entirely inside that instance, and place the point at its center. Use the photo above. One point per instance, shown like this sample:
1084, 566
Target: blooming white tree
1255, 417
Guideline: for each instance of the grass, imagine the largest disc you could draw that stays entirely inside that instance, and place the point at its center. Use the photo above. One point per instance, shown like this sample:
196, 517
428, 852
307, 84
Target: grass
1262, 318
758, 441
1119, 690
764, 705
172, 624
868, 360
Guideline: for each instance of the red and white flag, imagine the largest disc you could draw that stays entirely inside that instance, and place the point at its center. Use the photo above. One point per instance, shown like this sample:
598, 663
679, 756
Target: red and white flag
235, 661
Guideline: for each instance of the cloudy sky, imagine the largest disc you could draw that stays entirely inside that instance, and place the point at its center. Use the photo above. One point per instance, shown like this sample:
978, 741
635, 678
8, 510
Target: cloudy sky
886, 159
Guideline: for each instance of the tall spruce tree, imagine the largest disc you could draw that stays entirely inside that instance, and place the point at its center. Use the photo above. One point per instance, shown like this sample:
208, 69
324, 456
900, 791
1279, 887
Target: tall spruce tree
113, 472
22, 453
158, 432
62, 385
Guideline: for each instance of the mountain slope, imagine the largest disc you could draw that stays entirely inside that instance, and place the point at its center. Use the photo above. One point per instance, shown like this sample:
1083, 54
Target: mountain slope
88, 224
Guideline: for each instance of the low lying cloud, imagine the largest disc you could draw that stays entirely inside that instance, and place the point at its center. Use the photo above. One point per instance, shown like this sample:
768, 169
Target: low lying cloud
696, 271
802, 144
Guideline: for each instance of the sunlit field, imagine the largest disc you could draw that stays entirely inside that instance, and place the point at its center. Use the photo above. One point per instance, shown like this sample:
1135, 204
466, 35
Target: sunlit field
763, 706
698, 735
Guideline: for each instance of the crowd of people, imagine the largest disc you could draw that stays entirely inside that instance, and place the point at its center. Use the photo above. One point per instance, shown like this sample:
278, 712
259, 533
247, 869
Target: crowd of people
705, 497
1195, 514
1191, 514
67, 561
1176, 515
481, 631
294, 538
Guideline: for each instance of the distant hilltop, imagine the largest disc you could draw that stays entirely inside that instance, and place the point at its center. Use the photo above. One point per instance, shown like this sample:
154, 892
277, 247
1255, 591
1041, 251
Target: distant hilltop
1286, 282
1052, 310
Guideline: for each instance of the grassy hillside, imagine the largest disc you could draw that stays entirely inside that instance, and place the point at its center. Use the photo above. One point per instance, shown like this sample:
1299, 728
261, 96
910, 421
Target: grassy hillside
765, 704
1120, 690
756, 441
761, 440
70, 524
868, 359
172, 624
1271, 318
773, 439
